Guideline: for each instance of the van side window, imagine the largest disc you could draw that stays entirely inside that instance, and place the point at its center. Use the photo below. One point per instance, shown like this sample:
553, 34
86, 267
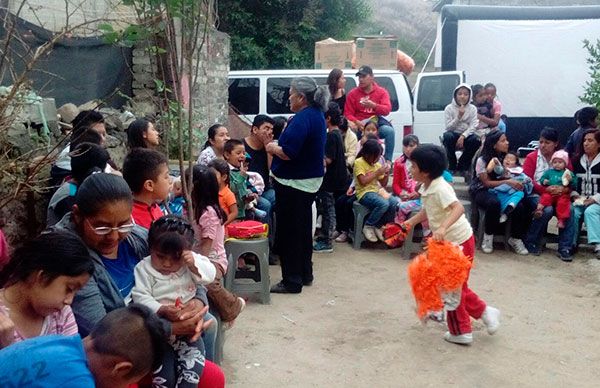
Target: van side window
388, 84
278, 92
244, 95
435, 92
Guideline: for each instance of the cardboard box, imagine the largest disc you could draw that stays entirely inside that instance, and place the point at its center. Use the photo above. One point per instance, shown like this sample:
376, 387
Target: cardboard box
377, 52
330, 53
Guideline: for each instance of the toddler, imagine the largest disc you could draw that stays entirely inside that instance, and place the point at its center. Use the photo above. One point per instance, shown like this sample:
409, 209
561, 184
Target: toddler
166, 280
558, 175
176, 197
227, 200
509, 197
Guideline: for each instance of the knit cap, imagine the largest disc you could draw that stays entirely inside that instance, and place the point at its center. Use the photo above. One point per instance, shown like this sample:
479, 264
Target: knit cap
561, 154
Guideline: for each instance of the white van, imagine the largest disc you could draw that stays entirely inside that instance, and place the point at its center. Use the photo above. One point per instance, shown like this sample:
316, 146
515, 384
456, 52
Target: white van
253, 92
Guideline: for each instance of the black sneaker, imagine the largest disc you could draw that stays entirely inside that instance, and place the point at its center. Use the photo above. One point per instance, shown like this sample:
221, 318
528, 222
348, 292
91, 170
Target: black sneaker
565, 255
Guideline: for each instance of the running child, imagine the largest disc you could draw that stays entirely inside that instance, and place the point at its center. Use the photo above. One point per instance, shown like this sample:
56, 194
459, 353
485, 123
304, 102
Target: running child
166, 280
448, 222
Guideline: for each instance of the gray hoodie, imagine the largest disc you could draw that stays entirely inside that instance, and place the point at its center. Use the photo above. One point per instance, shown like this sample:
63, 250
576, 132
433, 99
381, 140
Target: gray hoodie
101, 295
467, 124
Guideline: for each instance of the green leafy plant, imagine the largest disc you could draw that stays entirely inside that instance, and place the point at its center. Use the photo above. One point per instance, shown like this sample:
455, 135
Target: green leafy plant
592, 87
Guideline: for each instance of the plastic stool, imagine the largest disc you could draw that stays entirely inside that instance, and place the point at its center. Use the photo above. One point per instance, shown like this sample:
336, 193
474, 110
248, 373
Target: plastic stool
360, 213
412, 242
260, 248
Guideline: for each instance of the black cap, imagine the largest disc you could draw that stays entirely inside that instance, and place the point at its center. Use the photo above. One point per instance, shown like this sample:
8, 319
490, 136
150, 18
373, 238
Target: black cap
364, 70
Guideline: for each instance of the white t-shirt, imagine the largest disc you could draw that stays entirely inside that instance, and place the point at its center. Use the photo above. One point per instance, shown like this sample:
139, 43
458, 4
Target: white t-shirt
436, 200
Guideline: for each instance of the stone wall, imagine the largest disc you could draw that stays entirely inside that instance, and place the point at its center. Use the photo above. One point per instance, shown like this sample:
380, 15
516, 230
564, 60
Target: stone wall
210, 97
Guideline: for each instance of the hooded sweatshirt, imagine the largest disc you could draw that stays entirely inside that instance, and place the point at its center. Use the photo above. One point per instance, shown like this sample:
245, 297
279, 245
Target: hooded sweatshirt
465, 125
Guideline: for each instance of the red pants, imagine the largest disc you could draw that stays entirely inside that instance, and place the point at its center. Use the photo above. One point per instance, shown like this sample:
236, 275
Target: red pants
459, 320
562, 204
212, 377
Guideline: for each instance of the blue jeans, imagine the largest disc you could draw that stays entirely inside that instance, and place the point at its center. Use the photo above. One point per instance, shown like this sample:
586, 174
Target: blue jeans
209, 336
591, 215
539, 226
388, 135
382, 210
266, 202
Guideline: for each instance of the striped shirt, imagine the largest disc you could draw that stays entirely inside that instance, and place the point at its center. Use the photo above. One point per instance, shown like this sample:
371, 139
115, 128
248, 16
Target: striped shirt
61, 322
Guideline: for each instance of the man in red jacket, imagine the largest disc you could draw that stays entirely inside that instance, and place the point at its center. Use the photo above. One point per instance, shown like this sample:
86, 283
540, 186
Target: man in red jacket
366, 100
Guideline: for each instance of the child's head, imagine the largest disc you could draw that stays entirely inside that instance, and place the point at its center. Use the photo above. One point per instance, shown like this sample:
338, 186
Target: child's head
217, 136
85, 135
234, 152
52, 268
371, 127
560, 160
92, 119
511, 159
479, 94
141, 133
221, 169
127, 344
205, 191
102, 212
586, 117
495, 146
371, 151
490, 89
146, 171
86, 159
333, 116
409, 143
168, 238
428, 162
343, 125
262, 128
462, 95
177, 187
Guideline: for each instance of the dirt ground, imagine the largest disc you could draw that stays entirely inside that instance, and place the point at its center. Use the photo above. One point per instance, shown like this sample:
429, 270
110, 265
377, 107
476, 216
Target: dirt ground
356, 327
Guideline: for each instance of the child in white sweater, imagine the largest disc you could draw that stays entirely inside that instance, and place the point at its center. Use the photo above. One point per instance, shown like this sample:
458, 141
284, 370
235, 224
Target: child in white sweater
165, 281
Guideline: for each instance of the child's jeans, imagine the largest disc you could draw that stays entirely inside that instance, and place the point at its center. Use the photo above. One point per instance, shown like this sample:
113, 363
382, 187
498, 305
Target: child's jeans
459, 320
562, 204
507, 196
382, 210
182, 364
590, 214
328, 215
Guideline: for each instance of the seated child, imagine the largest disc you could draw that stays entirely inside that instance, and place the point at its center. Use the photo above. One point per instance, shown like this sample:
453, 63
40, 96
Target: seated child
235, 154
146, 172
227, 200
371, 131
371, 177
404, 186
256, 185
509, 197
176, 197
558, 175
164, 281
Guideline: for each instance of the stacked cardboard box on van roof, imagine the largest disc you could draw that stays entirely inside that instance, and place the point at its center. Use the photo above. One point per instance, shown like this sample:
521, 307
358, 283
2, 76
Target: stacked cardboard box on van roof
379, 52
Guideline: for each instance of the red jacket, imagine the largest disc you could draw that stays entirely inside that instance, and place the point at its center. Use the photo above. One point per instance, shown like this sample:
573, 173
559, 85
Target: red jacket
401, 180
355, 111
144, 214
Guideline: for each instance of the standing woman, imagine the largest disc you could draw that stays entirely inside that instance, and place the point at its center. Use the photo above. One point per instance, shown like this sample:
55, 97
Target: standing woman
587, 197
142, 134
496, 146
298, 171
536, 163
213, 148
336, 82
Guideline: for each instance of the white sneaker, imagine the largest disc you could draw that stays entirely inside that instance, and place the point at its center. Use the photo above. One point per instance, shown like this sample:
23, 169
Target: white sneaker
461, 339
369, 233
517, 245
491, 319
503, 218
379, 234
487, 245
343, 237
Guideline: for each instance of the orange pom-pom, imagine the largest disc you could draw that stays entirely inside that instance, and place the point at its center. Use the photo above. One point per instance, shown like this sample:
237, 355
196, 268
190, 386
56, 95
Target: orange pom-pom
443, 267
